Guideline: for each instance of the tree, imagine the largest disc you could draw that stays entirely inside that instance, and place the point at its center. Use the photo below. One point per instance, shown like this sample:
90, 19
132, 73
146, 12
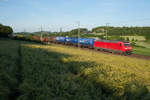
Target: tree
5, 30
127, 39
133, 39
82, 31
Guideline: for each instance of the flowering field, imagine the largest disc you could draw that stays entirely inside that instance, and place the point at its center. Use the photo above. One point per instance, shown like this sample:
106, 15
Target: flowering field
64, 73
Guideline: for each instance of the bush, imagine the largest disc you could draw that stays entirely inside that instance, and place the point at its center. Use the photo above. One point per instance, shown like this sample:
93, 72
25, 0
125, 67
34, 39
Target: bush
127, 39
133, 39
133, 43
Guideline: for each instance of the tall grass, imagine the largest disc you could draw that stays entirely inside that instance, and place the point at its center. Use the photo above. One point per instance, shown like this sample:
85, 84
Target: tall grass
47, 76
117, 75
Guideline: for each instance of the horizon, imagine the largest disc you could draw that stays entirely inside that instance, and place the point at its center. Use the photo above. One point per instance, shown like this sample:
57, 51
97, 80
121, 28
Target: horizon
77, 28
30, 15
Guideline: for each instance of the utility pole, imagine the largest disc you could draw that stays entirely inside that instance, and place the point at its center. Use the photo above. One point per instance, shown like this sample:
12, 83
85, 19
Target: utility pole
24, 30
79, 34
106, 33
60, 31
41, 34
48, 37
107, 30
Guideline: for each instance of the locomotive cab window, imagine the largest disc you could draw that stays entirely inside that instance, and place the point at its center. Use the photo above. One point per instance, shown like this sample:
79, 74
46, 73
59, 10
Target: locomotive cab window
127, 44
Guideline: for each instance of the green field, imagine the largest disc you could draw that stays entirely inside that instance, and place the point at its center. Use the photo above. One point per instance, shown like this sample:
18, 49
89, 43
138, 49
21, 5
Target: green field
144, 44
141, 51
139, 38
55, 72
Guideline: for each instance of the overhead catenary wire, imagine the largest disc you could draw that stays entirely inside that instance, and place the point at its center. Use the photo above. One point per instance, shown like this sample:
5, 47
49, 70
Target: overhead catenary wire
41, 35
79, 34
124, 23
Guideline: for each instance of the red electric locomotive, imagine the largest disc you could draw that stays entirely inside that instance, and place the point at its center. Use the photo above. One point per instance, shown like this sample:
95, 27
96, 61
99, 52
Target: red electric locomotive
113, 46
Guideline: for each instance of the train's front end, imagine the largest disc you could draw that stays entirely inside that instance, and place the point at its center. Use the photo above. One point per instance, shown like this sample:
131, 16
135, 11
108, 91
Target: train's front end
127, 48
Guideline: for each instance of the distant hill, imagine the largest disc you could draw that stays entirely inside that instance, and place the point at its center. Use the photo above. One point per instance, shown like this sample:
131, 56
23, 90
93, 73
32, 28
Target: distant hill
141, 31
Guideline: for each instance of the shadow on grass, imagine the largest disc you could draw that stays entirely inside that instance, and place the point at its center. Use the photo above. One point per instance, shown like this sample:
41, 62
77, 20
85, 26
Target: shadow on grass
51, 75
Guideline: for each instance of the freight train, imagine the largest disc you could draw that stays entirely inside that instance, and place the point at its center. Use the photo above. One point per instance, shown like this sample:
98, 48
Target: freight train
121, 47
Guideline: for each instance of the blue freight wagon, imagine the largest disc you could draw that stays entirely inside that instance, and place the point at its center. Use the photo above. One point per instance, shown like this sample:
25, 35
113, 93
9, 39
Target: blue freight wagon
68, 40
74, 41
61, 39
89, 42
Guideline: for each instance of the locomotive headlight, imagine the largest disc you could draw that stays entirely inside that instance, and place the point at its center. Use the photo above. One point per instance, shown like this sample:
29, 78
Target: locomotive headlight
126, 48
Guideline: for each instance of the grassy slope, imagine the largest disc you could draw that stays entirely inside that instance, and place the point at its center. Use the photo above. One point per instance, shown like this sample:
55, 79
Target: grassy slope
116, 74
47, 76
60, 72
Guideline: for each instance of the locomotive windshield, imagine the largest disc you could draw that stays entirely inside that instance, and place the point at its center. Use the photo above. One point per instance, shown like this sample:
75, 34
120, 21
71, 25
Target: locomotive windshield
126, 44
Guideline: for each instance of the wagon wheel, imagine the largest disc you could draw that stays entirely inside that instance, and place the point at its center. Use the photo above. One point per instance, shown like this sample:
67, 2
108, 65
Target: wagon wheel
96, 49
130, 53
122, 53
125, 53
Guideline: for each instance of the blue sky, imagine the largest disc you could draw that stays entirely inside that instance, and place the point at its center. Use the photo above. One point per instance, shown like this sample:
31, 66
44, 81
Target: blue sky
53, 14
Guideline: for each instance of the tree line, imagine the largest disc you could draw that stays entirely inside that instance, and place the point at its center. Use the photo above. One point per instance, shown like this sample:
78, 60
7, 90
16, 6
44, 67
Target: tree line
5, 31
113, 32
121, 31
125, 31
